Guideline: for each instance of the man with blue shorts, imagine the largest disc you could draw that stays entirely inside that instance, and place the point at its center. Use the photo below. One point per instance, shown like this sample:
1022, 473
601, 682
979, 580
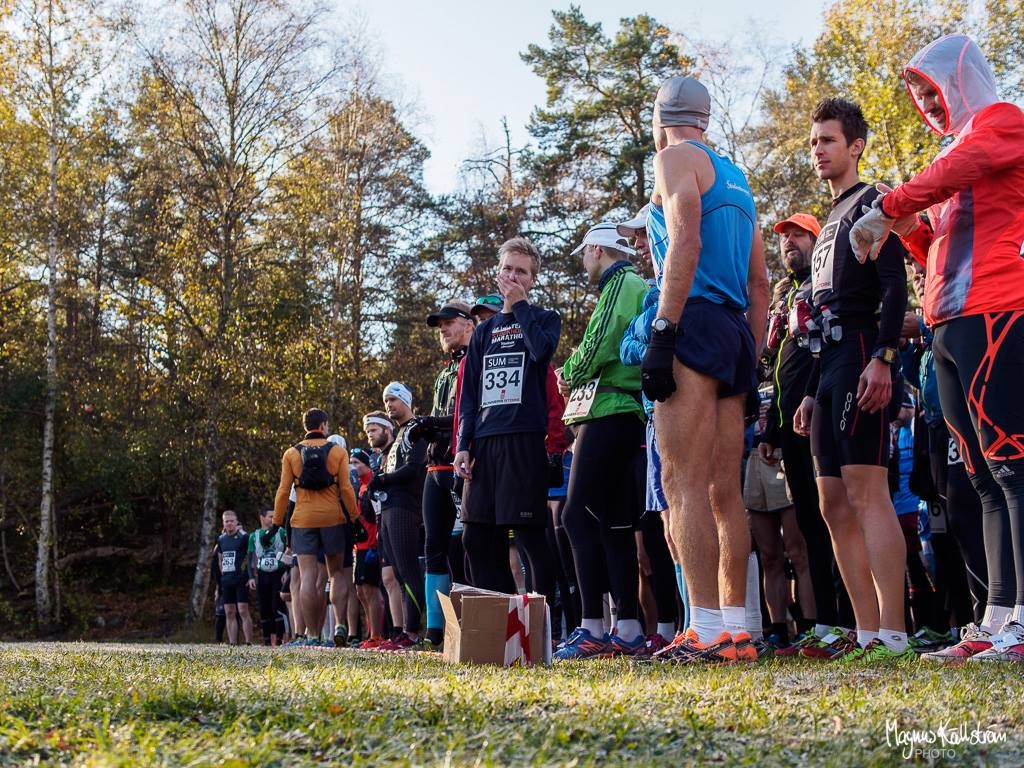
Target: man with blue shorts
701, 362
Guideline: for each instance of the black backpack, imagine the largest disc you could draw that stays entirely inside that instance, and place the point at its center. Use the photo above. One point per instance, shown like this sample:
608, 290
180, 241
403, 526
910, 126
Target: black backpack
315, 475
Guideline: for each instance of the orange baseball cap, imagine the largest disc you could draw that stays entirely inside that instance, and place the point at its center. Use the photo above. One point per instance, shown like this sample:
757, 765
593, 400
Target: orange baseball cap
802, 220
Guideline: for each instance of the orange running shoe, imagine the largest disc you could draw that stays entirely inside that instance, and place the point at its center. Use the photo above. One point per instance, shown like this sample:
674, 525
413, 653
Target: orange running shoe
745, 648
722, 650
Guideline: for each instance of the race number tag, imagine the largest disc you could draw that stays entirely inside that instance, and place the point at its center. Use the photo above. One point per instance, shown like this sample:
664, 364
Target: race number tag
502, 382
227, 565
953, 455
268, 563
581, 399
823, 258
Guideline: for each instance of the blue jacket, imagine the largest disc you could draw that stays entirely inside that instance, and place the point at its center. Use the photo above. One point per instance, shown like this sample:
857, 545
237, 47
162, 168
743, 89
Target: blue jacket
638, 335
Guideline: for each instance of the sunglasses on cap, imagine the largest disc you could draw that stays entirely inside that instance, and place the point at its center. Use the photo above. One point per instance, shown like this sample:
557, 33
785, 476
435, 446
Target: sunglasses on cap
490, 301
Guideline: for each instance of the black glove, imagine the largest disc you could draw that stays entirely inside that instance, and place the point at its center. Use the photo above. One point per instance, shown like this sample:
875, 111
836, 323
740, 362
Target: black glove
376, 484
656, 369
268, 536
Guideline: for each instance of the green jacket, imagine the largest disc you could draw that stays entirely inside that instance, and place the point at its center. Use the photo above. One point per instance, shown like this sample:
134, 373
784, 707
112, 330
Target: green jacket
597, 357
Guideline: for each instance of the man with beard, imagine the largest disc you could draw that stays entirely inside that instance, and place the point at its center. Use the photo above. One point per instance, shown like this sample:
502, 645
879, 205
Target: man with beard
455, 325
790, 372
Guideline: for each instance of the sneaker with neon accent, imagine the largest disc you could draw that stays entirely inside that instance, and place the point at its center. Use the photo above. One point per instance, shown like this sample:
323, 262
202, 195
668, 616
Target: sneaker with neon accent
973, 640
372, 644
1008, 645
877, 652
296, 642
836, 643
635, 649
809, 637
926, 640
426, 644
582, 645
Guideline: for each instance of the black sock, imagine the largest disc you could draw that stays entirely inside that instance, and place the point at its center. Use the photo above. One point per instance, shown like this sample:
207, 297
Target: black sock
803, 625
781, 631
436, 636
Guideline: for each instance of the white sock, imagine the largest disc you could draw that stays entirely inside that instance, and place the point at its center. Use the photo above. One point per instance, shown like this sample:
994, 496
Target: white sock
752, 606
821, 630
894, 641
734, 618
594, 626
1018, 614
994, 618
666, 629
865, 636
707, 622
628, 630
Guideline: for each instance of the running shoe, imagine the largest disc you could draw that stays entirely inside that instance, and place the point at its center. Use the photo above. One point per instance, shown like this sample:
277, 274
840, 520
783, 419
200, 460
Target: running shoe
722, 650
296, 642
635, 649
354, 641
832, 646
746, 649
582, 645
877, 652
1008, 645
973, 640
426, 644
673, 644
340, 636
401, 642
807, 638
655, 643
926, 640
372, 644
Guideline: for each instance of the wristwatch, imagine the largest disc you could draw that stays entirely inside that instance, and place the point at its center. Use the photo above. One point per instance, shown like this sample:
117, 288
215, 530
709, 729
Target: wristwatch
662, 325
887, 355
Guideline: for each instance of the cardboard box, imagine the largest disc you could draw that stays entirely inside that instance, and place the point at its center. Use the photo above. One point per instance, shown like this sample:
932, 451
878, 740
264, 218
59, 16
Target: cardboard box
476, 626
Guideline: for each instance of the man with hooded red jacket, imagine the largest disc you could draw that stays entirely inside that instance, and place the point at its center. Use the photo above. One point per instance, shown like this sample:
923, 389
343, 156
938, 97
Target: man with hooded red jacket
971, 246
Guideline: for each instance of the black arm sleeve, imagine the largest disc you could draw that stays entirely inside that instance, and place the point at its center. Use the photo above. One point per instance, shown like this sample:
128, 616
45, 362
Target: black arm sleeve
408, 471
892, 275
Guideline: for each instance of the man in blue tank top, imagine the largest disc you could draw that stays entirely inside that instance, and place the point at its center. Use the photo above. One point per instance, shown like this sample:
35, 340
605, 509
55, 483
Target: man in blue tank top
701, 363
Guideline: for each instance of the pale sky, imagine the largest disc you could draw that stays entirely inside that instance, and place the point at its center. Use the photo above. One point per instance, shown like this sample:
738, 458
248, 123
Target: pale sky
458, 61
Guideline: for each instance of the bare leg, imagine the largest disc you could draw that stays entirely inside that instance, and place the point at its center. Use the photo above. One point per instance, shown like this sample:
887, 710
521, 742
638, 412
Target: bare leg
295, 589
868, 489
373, 604
243, 612
851, 550
682, 422
768, 537
231, 616
796, 550
727, 503
394, 590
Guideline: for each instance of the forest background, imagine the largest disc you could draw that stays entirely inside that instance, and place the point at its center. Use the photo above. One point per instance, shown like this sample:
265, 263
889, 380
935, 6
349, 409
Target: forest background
213, 216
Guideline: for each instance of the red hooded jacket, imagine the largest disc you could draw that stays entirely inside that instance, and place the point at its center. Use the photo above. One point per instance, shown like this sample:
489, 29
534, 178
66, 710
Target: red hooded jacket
973, 191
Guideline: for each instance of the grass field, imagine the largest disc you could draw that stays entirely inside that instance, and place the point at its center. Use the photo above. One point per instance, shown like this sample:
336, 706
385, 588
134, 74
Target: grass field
146, 705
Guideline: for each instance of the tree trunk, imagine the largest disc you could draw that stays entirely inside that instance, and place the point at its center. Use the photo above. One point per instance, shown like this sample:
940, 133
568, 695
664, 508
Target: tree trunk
44, 596
201, 579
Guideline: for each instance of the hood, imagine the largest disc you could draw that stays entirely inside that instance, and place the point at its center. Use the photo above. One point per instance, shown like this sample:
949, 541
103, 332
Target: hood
957, 69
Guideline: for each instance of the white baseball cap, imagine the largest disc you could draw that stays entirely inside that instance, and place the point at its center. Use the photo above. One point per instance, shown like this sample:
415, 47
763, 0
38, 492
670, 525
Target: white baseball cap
634, 225
606, 235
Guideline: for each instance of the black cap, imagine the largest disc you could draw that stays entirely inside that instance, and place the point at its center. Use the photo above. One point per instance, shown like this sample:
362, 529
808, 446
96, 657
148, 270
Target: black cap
449, 311
363, 456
